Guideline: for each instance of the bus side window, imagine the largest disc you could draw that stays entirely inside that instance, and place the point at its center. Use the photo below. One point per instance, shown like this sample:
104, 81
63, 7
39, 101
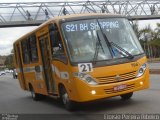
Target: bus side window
25, 52
56, 44
33, 48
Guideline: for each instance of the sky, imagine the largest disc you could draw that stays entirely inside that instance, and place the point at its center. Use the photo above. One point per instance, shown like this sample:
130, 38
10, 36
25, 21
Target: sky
9, 35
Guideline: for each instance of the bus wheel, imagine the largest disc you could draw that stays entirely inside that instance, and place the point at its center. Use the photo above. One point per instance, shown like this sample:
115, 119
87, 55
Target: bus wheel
127, 96
34, 95
69, 105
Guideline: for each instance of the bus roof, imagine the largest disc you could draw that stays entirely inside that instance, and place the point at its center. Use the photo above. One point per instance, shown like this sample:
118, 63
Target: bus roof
84, 15
72, 16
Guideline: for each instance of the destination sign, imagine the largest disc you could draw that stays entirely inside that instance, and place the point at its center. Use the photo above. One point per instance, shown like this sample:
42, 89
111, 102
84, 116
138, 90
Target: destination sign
85, 26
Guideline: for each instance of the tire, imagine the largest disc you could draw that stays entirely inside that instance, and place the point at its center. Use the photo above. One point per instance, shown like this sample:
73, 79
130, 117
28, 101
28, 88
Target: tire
69, 105
35, 96
127, 96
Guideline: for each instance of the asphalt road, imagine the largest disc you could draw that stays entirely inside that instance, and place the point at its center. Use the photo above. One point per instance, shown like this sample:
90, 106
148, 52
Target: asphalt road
13, 100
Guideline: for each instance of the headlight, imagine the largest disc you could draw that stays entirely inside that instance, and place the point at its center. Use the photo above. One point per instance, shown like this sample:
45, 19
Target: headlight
85, 77
141, 70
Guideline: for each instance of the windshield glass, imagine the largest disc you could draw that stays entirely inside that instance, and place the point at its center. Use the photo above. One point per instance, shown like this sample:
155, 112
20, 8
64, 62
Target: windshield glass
85, 39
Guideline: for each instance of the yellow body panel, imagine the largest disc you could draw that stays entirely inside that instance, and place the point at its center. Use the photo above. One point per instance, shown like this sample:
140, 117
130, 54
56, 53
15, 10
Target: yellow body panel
80, 91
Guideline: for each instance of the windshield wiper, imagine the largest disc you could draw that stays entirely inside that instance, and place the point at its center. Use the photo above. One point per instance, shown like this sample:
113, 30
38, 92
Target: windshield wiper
127, 54
105, 38
110, 44
98, 44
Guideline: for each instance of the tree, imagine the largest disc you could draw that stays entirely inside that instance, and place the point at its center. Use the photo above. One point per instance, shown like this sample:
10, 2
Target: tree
156, 41
9, 61
157, 31
145, 37
136, 29
149, 39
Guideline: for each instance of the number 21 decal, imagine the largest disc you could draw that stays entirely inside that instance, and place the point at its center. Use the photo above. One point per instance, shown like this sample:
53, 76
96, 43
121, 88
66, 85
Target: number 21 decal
85, 67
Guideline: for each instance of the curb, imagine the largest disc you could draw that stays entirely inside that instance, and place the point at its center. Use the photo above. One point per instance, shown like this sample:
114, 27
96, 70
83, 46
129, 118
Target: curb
154, 71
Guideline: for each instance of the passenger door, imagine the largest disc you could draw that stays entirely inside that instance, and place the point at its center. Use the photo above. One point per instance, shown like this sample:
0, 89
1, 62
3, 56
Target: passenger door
59, 60
46, 63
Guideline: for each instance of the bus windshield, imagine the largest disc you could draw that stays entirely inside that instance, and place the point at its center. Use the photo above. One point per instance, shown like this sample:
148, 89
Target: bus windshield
85, 39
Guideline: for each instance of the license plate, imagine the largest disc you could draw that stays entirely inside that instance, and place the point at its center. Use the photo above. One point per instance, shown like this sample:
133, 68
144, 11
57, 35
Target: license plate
120, 87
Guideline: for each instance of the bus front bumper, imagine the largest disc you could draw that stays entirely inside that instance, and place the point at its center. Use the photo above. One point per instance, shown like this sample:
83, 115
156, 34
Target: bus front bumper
94, 92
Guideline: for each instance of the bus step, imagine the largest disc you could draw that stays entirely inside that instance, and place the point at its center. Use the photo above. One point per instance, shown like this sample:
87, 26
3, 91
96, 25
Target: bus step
53, 95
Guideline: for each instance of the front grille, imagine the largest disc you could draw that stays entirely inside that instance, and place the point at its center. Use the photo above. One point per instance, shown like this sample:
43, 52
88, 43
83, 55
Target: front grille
111, 90
113, 79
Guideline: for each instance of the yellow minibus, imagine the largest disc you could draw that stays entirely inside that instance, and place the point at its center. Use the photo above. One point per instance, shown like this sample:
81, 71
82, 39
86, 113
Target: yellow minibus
81, 58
